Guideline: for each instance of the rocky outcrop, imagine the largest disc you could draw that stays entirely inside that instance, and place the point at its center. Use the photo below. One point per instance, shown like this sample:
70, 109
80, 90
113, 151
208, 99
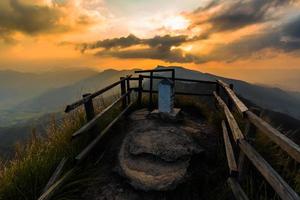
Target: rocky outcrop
155, 155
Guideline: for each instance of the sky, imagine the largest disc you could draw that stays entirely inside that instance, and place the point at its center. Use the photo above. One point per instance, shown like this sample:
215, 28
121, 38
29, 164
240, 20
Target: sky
253, 40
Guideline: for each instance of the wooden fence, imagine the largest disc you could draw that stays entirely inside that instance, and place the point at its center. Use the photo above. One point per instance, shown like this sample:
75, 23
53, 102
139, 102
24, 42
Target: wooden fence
229, 126
243, 145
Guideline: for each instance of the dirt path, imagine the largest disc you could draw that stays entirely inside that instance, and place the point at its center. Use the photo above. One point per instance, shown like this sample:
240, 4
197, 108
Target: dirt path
206, 173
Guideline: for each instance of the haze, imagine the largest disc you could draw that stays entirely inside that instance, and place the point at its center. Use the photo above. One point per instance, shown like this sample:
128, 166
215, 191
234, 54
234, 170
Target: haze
252, 40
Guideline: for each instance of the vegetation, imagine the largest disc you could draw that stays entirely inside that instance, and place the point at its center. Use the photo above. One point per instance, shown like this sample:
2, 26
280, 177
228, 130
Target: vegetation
25, 176
28, 172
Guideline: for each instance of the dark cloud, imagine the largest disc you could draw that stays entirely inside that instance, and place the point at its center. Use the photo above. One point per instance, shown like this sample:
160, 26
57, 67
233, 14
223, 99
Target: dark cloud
122, 42
158, 47
168, 55
237, 14
285, 38
27, 18
233, 15
163, 42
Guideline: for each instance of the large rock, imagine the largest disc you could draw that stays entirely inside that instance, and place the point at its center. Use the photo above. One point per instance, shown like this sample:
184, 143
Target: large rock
156, 155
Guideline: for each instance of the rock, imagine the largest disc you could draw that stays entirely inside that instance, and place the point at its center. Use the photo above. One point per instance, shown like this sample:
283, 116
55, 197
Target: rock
165, 143
156, 155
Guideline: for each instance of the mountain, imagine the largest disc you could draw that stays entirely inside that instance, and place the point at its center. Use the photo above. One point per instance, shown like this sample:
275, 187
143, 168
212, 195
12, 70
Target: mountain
56, 99
40, 109
266, 97
16, 87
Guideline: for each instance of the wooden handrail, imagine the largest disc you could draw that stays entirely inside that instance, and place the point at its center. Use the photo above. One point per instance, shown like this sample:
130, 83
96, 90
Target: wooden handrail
242, 108
56, 174
93, 122
93, 95
181, 93
280, 139
229, 151
81, 156
237, 133
273, 178
154, 70
182, 79
236, 189
53, 188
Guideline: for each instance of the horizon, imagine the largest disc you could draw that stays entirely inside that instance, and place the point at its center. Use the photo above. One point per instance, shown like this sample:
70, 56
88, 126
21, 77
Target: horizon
255, 41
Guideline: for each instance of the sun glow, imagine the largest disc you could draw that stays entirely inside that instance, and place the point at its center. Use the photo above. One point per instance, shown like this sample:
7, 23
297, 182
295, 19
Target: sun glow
176, 23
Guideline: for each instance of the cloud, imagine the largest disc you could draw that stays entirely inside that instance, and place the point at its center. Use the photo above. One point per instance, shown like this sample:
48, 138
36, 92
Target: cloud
27, 18
236, 14
36, 17
284, 38
163, 42
158, 47
167, 55
280, 32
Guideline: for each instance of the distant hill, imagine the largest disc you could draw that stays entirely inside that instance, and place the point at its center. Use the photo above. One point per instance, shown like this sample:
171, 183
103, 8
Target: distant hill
16, 87
56, 99
266, 97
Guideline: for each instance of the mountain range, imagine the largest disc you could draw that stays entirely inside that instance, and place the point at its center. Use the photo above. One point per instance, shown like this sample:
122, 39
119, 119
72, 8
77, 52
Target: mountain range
46, 94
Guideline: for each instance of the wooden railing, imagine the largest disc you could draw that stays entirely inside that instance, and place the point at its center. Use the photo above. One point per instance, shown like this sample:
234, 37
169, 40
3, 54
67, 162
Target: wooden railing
229, 126
57, 179
244, 148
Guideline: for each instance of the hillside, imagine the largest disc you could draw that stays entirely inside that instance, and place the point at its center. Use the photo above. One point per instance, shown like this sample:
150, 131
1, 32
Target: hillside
55, 100
16, 87
266, 97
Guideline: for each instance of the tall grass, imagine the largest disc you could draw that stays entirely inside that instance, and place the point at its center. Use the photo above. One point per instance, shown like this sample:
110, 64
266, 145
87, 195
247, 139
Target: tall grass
24, 176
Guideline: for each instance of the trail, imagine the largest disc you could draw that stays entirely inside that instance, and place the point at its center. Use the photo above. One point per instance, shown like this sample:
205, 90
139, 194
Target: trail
206, 173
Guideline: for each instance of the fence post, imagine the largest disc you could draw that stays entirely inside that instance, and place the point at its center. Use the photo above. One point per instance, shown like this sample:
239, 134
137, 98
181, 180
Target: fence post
128, 89
140, 89
218, 89
123, 91
250, 134
150, 94
89, 108
229, 101
173, 76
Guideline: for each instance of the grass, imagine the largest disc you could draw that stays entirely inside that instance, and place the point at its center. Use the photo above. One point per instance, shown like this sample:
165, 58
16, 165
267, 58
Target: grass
25, 176
27, 173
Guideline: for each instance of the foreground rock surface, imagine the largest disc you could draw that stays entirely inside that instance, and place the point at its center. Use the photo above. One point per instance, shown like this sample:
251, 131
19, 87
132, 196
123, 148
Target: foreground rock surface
155, 155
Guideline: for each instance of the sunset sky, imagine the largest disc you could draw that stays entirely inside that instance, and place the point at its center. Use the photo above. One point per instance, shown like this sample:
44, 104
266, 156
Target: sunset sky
255, 40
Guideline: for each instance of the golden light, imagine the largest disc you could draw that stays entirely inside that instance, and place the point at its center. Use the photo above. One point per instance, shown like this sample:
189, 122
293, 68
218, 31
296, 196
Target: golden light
176, 23
187, 48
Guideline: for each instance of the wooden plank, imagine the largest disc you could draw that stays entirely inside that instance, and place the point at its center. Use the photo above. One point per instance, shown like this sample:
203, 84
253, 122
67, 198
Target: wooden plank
89, 108
273, 178
183, 79
154, 70
236, 132
128, 89
238, 103
281, 140
93, 95
181, 93
123, 91
140, 89
229, 151
222, 83
151, 92
81, 156
94, 121
249, 133
51, 191
56, 174
237, 190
